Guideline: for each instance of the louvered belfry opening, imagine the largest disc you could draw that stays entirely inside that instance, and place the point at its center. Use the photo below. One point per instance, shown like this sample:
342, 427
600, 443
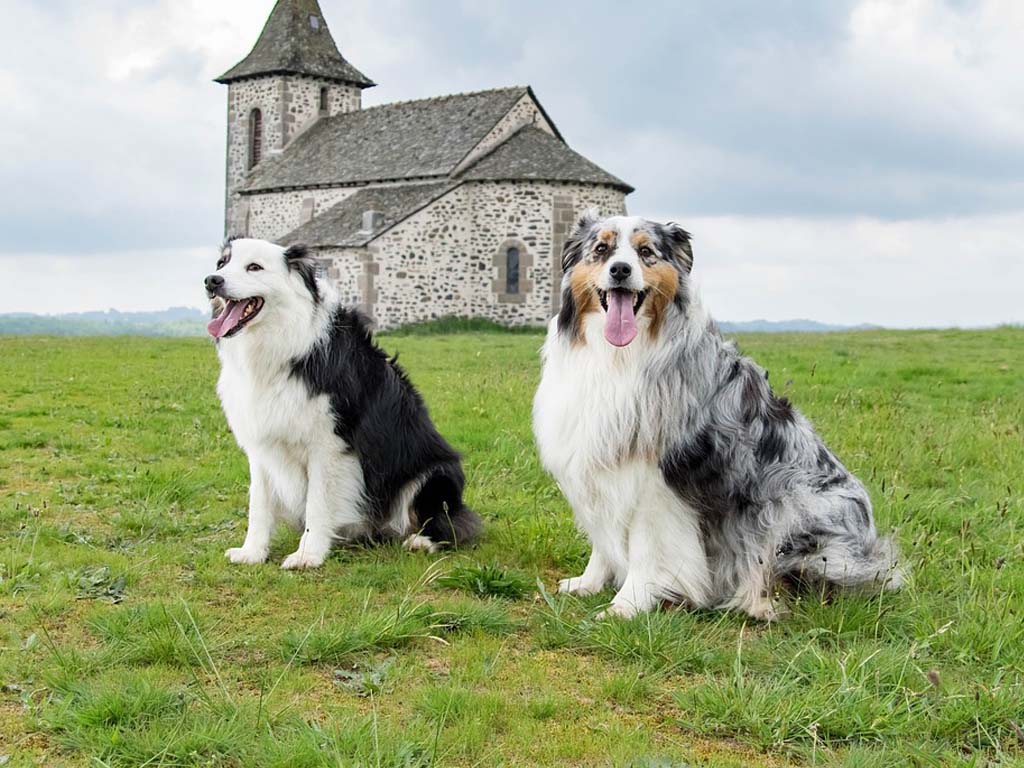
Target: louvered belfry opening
255, 137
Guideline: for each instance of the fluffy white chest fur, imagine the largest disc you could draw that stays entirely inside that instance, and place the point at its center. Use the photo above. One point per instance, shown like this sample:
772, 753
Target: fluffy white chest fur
288, 436
587, 422
266, 406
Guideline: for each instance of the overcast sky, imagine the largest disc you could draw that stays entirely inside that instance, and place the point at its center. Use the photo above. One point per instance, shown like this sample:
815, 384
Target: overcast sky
848, 161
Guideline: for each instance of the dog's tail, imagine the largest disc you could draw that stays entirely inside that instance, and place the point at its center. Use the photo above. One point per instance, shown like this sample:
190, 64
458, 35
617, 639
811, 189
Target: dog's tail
866, 562
850, 556
442, 517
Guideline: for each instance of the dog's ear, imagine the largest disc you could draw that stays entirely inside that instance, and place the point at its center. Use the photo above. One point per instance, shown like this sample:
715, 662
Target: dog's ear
678, 241
572, 251
296, 253
301, 261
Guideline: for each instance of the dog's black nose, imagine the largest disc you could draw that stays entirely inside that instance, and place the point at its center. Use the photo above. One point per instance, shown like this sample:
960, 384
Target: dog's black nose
213, 282
620, 271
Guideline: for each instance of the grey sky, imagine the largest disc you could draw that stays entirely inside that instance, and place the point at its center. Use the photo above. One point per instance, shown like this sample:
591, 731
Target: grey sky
852, 161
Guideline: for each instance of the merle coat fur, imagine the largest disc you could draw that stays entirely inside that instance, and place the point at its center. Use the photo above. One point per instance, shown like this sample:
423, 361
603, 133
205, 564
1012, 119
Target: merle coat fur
694, 481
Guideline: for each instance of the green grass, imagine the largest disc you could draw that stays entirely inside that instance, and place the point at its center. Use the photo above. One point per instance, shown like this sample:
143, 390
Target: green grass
487, 581
126, 638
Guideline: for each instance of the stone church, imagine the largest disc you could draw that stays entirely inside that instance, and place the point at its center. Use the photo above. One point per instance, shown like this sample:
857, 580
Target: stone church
453, 205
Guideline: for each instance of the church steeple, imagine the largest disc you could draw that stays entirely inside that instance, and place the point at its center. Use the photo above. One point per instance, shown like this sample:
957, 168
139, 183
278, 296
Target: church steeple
293, 77
296, 41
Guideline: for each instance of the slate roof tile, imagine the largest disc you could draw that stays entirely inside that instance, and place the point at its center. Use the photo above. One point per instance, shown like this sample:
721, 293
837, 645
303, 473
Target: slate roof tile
403, 140
533, 154
296, 40
341, 224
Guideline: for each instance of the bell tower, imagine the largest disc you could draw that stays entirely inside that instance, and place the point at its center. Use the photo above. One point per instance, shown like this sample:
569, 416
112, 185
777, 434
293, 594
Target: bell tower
294, 76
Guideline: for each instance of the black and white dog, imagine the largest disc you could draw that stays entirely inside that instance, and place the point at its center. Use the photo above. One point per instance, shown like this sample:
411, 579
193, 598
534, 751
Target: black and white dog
693, 481
340, 444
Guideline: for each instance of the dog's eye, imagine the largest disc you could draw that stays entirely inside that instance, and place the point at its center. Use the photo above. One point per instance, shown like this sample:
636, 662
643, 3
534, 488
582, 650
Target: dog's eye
253, 268
645, 252
601, 249
221, 263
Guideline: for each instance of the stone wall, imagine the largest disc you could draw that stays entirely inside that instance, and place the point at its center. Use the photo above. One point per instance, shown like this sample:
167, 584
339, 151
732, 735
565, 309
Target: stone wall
259, 93
347, 268
506, 211
425, 268
446, 259
525, 112
289, 105
301, 96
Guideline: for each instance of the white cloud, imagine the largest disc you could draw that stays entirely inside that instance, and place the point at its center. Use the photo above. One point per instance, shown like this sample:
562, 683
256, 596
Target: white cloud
796, 146
962, 272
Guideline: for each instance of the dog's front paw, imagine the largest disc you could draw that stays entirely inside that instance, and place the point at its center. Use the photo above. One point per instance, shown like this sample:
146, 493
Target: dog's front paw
577, 586
418, 543
299, 560
246, 556
618, 610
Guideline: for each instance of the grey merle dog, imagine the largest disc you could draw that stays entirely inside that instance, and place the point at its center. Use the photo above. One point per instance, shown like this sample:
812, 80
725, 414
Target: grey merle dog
694, 482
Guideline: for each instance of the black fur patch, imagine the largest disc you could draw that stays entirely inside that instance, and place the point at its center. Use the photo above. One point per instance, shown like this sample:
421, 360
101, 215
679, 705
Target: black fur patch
699, 472
772, 445
777, 418
568, 320
298, 259
674, 244
831, 472
800, 544
572, 251
734, 371
225, 251
752, 399
779, 410
380, 415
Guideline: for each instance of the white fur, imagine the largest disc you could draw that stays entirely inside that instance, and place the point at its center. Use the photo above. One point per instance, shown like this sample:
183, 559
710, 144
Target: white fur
646, 541
301, 473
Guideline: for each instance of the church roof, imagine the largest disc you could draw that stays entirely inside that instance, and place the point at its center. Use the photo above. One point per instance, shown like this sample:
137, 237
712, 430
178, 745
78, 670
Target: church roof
341, 225
296, 40
532, 154
390, 142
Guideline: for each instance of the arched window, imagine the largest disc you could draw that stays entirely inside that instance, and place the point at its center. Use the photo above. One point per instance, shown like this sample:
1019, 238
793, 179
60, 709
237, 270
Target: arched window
511, 282
512, 270
323, 101
255, 137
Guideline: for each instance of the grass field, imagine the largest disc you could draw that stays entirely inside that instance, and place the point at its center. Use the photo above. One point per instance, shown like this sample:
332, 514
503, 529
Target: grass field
126, 639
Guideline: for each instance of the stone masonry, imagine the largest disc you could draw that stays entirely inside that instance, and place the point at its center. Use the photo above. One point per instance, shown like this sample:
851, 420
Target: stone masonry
412, 207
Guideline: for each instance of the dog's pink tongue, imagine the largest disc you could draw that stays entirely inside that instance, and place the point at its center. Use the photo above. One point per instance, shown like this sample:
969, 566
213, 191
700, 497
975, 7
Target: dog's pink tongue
226, 320
620, 324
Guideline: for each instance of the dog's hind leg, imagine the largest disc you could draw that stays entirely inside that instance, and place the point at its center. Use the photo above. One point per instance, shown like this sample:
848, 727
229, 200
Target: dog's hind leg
333, 502
753, 593
261, 519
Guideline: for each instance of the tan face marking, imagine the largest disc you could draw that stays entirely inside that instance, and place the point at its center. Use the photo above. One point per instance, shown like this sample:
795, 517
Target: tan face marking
583, 285
639, 240
662, 283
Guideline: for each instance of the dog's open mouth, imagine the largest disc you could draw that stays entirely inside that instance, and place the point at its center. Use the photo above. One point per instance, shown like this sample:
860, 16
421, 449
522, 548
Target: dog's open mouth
233, 316
620, 308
